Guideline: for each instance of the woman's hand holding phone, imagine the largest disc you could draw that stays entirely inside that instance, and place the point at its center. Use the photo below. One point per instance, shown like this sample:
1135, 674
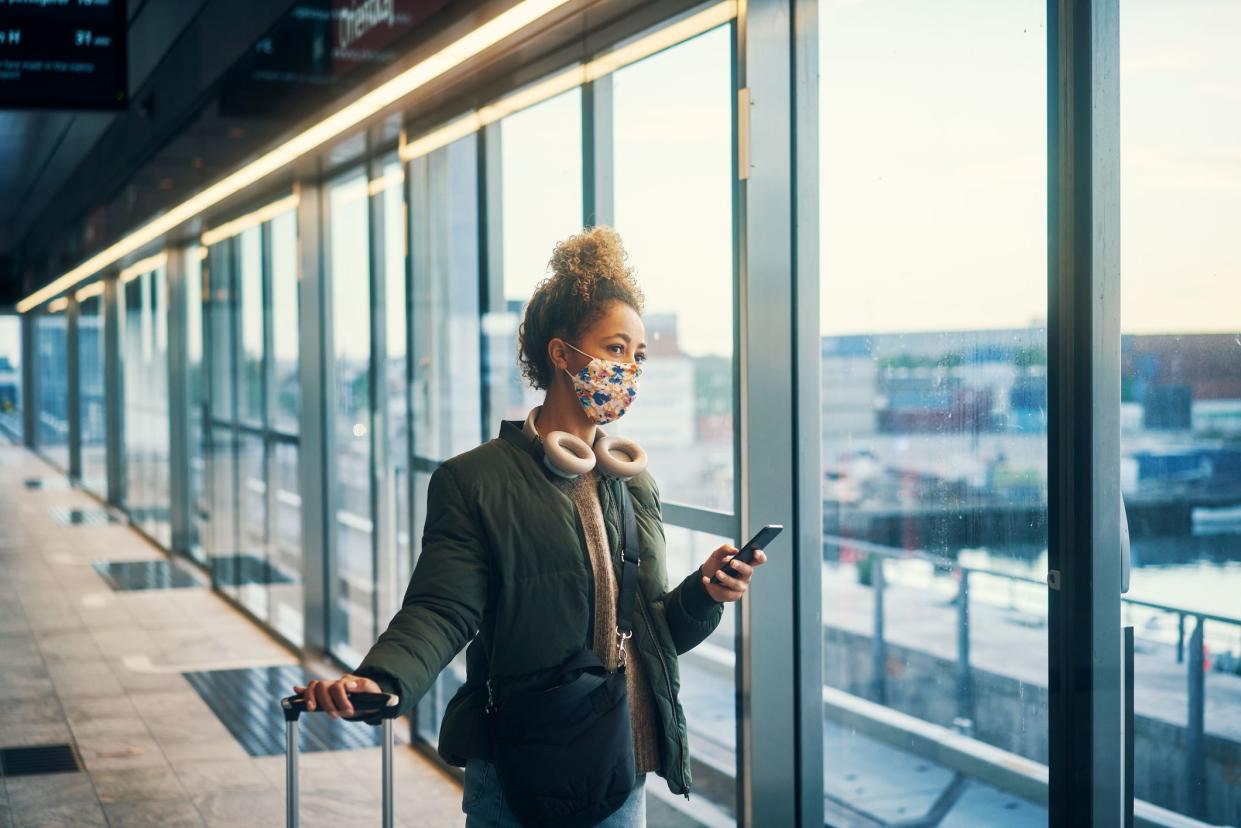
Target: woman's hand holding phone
729, 588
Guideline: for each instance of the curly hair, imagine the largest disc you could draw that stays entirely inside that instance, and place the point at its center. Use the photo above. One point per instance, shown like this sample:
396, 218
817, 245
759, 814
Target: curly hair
589, 271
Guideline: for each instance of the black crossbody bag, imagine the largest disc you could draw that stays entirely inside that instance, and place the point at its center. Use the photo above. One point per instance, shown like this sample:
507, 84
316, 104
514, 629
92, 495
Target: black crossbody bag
564, 753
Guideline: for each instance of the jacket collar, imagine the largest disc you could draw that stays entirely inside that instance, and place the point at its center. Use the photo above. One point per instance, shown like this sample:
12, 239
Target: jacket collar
511, 430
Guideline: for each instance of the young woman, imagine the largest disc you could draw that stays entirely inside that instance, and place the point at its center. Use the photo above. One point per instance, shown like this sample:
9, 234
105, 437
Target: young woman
519, 551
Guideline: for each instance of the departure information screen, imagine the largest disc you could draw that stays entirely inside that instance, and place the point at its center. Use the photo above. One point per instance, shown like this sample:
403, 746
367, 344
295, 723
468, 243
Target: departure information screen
62, 54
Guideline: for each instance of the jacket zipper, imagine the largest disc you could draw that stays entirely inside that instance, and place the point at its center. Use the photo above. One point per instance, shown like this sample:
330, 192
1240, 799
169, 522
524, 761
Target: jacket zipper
671, 700
663, 668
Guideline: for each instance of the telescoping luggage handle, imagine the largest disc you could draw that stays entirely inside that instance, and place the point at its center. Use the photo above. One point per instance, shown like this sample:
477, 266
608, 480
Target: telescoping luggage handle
365, 706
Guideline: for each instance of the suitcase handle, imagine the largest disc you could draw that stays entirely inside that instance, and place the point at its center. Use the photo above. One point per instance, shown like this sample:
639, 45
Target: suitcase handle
365, 705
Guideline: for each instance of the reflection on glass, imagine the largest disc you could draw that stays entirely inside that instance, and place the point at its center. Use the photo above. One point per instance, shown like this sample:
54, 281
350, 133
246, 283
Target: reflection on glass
52, 388
672, 116
91, 410
541, 158
934, 386
1181, 398
349, 254
446, 404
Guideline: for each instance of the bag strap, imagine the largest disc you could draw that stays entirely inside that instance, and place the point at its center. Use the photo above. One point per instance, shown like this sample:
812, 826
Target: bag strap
632, 555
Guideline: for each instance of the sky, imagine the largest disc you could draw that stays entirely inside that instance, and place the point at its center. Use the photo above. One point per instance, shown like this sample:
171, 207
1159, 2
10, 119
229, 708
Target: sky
933, 154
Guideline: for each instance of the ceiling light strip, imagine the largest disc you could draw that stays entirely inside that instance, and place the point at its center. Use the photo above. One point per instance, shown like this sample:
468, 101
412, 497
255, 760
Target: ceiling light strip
392, 178
571, 78
242, 223
91, 290
384, 95
59, 305
143, 266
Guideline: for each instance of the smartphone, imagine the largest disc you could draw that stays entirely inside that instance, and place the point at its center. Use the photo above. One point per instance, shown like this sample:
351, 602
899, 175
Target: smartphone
746, 553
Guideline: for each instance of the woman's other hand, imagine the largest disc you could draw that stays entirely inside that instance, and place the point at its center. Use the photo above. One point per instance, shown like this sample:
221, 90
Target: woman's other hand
729, 588
329, 696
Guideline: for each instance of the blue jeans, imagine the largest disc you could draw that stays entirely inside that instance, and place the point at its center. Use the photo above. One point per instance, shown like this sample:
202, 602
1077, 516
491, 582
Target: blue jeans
484, 806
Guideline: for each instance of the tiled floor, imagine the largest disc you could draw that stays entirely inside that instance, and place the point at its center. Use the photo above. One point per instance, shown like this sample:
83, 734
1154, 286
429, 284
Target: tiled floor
101, 669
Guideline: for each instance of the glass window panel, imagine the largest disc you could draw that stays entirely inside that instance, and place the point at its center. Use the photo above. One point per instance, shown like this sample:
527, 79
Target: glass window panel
91, 410
144, 351
220, 329
135, 386
934, 386
222, 516
286, 544
52, 388
158, 417
220, 505
396, 387
672, 116
10, 374
443, 214
286, 338
194, 295
353, 627
252, 521
541, 158
1181, 396
250, 322
707, 684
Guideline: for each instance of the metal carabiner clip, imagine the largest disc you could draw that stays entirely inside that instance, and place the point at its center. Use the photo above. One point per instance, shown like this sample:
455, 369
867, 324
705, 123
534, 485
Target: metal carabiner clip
621, 659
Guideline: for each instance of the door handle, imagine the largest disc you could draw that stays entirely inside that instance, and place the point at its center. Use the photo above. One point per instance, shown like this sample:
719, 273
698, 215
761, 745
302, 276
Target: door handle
1126, 556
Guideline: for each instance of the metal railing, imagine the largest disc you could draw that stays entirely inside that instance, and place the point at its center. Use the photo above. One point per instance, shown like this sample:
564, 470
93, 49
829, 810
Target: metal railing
1195, 759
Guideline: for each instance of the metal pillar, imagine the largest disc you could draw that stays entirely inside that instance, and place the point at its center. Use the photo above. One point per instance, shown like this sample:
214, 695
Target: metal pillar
75, 392
114, 389
180, 293
315, 421
29, 379
775, 174
1083, 340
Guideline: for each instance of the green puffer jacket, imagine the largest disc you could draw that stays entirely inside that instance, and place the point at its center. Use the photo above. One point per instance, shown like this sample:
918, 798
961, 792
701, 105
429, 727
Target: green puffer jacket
504, 556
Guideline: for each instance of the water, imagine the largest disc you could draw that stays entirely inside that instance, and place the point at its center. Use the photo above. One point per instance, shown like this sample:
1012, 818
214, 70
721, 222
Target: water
1197, 573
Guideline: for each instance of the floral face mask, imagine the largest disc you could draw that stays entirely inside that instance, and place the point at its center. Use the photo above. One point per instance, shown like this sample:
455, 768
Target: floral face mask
605, 388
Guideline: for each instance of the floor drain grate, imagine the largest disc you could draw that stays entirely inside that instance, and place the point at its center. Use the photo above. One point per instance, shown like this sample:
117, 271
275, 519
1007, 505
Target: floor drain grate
39, 759
238, 570
124, 576
247, 701
64, 516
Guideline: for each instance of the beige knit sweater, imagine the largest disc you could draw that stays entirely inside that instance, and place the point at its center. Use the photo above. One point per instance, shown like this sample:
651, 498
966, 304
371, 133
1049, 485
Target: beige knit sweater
584, 492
